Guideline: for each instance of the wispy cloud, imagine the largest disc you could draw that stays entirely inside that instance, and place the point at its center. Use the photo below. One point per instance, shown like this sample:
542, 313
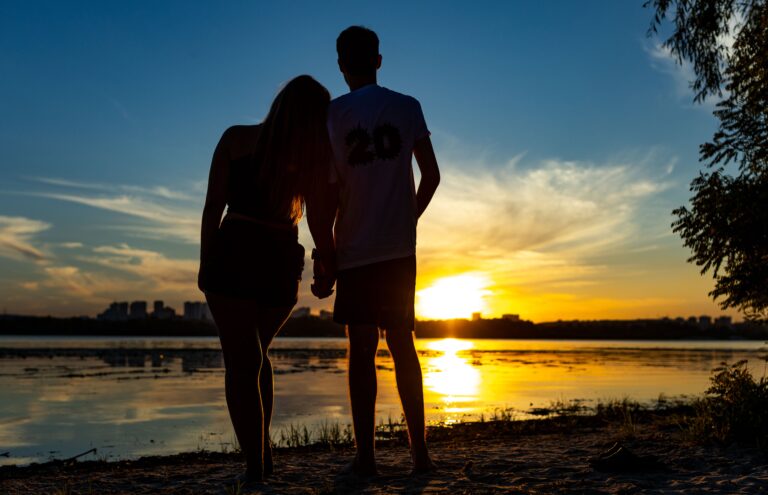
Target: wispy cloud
171, 221
156, 191
16, 238
543, 232
542, 225
681, 70
71, 281
165, 274
117, 272
169, 213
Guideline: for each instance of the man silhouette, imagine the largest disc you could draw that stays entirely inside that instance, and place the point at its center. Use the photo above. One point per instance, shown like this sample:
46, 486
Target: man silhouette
374, 133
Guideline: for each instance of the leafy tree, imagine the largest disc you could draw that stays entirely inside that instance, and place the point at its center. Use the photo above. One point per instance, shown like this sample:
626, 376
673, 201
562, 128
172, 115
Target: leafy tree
726, 225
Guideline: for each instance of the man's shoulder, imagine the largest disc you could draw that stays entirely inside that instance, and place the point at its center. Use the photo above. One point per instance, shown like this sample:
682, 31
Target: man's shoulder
400, 96
377, 93
401, 99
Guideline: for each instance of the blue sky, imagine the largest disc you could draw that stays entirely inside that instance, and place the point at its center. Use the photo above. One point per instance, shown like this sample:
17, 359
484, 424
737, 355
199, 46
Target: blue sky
565, 135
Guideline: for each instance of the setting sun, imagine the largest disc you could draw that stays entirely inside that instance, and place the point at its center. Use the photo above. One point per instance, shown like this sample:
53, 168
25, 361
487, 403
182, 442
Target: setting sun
453, 297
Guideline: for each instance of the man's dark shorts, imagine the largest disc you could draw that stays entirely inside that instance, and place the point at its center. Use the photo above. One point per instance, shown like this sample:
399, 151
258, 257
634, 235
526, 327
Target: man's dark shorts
380, 294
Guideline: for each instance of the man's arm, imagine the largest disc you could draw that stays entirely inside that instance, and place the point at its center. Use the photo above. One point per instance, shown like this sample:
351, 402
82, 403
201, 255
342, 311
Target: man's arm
321, 214
430, 173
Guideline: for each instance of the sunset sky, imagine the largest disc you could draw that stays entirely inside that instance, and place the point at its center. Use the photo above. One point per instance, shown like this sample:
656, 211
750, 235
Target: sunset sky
565, 138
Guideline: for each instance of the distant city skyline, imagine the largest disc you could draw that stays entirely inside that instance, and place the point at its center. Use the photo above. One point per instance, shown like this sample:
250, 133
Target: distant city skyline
198, 310
565, 136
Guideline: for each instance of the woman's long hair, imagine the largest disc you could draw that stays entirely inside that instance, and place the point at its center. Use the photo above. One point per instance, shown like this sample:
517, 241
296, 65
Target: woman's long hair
293, 150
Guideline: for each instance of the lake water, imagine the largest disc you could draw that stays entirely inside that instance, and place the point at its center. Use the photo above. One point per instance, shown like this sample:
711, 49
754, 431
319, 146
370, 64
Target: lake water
129, 397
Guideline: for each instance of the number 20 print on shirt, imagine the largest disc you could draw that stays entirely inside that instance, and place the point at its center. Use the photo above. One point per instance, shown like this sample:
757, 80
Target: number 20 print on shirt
386, 142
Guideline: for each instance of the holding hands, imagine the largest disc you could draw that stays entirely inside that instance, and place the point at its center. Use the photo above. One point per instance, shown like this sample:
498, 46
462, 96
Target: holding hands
324, 271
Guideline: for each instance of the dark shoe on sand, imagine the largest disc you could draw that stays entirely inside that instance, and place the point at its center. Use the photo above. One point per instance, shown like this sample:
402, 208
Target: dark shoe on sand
619, 459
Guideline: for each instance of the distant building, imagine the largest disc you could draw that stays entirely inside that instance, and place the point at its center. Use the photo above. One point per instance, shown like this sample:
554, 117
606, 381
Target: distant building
705, 321
302, 312
162, 312
693, 320
191, 310
115, 311
197, 311
510, 317
138, 310
724, 321
477, 316
326, 315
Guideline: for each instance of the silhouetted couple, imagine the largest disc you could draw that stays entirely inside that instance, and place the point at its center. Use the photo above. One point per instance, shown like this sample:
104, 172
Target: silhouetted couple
349, 161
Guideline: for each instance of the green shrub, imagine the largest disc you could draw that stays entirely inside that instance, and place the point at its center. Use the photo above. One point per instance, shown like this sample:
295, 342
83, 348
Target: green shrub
735, 408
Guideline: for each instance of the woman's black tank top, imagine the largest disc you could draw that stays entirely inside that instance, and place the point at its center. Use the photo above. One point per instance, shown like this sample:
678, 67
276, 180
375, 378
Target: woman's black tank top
247, 195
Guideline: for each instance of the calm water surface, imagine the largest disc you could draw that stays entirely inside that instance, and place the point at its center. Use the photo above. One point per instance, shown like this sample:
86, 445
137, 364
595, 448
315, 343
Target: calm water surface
129, 397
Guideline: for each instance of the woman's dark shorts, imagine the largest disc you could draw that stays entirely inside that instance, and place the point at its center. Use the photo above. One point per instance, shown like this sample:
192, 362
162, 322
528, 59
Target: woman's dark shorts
252, 261
378, 294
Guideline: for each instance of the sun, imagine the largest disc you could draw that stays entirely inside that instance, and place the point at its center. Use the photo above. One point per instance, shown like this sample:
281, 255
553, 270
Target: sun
453, 297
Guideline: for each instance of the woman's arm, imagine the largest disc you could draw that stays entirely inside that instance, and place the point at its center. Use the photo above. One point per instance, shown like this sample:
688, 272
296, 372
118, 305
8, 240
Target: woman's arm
215, 201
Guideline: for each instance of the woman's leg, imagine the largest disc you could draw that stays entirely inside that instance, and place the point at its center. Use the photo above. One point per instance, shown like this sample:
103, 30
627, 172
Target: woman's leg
269, 323
236, 321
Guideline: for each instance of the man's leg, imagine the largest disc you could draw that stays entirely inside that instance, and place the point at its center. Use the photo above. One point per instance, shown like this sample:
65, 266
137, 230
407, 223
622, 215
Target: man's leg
363, 341
409, 386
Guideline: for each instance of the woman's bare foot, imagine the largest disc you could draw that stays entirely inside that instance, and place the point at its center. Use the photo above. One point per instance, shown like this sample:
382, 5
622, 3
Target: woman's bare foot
249, 477
254, 471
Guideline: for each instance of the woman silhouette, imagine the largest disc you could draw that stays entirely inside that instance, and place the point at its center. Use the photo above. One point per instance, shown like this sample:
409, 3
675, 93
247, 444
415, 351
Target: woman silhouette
251, 261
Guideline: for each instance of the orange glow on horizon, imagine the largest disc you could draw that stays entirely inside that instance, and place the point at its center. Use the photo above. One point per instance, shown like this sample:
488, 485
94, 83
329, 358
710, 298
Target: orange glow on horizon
451, 297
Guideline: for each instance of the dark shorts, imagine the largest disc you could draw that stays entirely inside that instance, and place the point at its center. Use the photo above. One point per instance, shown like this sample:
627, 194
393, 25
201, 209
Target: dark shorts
378, 294
252, 261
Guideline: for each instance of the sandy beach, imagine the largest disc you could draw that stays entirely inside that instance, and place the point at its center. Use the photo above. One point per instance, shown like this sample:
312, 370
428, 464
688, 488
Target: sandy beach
526, 457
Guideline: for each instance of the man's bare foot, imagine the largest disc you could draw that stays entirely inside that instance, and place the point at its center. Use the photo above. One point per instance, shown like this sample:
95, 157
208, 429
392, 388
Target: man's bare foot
360, 468
422, 463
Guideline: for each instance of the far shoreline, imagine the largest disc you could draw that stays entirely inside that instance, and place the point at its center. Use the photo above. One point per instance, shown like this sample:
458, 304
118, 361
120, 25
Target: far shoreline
316, 327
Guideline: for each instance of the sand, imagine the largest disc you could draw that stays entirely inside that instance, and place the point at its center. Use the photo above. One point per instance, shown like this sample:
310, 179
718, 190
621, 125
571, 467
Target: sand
547, 457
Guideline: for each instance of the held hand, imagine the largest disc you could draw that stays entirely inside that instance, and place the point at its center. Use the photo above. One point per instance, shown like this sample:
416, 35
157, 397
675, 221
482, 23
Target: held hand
324, 269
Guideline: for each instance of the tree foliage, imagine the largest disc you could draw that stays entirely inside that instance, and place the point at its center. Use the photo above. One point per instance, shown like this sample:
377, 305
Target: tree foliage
726, 225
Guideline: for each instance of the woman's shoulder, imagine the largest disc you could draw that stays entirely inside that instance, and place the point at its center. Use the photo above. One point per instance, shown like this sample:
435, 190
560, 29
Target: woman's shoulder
240, 132
240, 138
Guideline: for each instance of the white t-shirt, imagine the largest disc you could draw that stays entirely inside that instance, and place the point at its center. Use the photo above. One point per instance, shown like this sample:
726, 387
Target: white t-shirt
373, 131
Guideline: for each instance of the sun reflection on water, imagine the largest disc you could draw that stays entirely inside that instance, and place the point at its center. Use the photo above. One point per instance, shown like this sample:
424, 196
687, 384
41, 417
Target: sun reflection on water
452, 377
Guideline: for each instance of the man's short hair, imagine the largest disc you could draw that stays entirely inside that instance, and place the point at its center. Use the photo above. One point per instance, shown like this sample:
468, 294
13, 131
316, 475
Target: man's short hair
358, 49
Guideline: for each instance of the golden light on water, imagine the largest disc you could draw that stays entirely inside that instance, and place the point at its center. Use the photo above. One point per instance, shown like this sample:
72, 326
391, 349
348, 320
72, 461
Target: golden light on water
450, 376
453, 297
